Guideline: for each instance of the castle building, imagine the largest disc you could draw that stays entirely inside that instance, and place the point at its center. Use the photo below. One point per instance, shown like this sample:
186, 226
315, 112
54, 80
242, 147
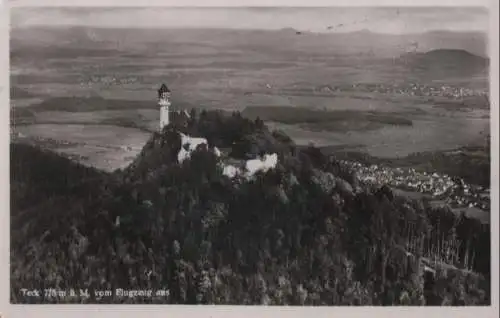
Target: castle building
164, 103
168, 116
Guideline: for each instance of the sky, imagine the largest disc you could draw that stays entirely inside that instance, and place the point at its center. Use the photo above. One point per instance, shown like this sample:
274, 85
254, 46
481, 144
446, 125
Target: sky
383, 20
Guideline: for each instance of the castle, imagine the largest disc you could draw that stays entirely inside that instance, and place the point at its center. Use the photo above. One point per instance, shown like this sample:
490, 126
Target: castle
164, 103
167, 116
190, 144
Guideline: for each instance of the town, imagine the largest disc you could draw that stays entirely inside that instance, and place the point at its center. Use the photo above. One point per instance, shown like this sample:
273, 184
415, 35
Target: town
453, 191
412, 89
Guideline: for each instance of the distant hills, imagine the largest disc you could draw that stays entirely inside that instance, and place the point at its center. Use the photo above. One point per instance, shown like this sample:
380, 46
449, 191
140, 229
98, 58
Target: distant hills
267, 41
446, 58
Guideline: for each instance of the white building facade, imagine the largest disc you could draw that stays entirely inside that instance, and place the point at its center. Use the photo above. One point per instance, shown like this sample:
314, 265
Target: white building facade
164, 103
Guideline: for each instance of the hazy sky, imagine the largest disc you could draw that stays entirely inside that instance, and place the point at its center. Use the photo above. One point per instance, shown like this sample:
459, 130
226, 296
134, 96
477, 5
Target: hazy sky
386, 20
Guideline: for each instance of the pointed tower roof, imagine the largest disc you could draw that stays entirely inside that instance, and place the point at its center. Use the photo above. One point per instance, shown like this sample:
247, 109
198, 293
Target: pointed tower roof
163, 89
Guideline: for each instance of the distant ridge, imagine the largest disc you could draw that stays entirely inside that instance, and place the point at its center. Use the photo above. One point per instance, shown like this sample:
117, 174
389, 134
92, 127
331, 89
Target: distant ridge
388, 45
454, 53
447, 58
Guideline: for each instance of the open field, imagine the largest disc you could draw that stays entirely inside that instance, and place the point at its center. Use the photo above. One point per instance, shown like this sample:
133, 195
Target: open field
102, 146
339, 96
318, 120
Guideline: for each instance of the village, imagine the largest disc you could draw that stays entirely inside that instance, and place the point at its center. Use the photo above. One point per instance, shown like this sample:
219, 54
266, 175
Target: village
453, 191
415, 89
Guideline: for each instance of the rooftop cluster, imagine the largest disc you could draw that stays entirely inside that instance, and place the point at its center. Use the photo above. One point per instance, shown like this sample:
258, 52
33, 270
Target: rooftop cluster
453, 191
413, 89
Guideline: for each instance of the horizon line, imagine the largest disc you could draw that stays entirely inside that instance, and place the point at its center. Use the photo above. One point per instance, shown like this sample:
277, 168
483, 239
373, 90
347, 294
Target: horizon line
326, 32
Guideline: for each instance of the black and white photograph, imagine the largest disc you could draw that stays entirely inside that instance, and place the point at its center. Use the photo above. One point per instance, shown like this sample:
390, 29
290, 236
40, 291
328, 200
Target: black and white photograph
257, 156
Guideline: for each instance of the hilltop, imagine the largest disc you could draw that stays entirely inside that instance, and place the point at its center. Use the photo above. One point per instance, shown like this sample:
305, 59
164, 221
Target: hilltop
302, 232
456, 59
457, 54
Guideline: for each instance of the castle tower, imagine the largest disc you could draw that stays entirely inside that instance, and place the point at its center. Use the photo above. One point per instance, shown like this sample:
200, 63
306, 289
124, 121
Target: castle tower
164, 103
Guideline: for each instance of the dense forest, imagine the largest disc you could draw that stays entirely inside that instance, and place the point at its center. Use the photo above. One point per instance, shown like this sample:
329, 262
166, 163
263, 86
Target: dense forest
305, 233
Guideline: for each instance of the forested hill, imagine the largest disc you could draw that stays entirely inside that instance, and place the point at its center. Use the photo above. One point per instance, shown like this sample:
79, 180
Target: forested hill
302, 233
448, 59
